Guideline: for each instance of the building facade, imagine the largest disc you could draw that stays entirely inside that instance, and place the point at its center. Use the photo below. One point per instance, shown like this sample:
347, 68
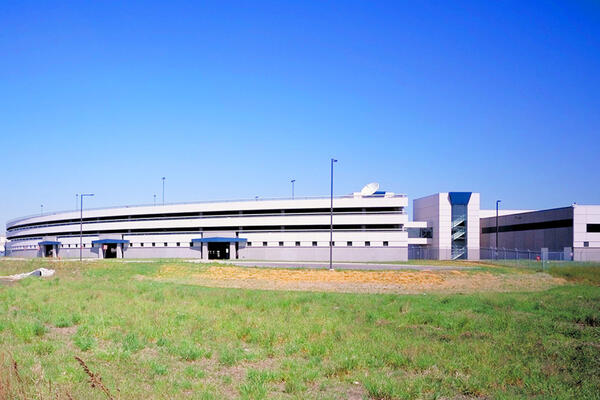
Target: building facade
452, 220
573, 231
365, 228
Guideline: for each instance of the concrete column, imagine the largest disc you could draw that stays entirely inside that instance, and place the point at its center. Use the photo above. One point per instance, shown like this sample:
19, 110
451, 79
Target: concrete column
120, 250
204, 251
232, 255
100, 251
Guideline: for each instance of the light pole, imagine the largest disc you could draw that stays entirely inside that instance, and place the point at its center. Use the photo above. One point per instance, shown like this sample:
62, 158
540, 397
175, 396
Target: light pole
76, 201
497, 203
293, 180
333, 160
41, 209
155, 200
163, 179
81, 196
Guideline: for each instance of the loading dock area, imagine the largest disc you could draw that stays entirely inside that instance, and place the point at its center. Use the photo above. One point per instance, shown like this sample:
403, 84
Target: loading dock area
219, 248
49, 248
110, 248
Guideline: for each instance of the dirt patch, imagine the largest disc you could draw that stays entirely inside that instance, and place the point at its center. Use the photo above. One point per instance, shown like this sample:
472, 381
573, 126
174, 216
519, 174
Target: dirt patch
356, 281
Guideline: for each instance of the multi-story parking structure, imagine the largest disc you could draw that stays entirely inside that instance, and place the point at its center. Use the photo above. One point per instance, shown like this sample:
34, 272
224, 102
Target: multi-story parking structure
369, 228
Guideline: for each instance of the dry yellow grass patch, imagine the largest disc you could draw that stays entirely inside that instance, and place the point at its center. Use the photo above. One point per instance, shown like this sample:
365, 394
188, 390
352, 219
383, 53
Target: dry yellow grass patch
353, 280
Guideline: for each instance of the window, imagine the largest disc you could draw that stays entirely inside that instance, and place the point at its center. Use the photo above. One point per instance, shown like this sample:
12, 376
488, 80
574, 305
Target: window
178, 244
586, 244
332, 244
153, 244
367, 244
165, 244
191, 244
141, 244
593, 228
249, 244
314, 244
297, 244
84, 245
349, 244
264, 244
385, 244
280, 244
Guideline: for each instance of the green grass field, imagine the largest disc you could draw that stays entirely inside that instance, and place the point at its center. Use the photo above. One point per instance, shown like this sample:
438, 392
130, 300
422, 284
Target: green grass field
156, 340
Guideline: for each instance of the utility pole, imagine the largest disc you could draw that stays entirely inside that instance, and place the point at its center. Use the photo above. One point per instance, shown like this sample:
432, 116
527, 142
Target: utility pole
163, 180
497, 203
155, 200
293, 180
333, 160
41, 209
81, 196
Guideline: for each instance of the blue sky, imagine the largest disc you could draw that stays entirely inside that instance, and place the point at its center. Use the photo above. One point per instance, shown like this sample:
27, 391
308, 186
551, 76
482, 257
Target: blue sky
234, 99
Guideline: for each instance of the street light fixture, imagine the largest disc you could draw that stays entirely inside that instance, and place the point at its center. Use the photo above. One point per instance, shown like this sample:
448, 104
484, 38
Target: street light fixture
293, 180
41, 209
497, 203
81, 196
333, 160
163, 180
155, 200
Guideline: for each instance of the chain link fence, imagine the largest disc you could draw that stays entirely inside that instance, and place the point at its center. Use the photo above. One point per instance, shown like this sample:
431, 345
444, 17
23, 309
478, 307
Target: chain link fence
536, 259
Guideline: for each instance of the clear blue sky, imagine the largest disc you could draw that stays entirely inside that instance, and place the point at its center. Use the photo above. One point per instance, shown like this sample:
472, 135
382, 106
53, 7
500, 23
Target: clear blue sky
234, 99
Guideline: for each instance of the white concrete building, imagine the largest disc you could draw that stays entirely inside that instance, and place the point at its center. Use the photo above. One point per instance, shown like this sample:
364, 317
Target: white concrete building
453, 225
372, 227
365, 228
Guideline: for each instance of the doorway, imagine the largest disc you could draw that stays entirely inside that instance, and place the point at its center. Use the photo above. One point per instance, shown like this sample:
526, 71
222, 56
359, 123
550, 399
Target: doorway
48, 250
110, 250
218, 251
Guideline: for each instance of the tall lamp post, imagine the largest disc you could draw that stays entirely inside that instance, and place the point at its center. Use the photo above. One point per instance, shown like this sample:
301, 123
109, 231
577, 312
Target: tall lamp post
154, 199
41, 209
81, 196
497, 203
76, 201
293, 180
333, 160
163, 179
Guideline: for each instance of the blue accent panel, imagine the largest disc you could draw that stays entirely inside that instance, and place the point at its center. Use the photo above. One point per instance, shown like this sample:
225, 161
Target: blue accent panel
109, 241
218, 240
48, 243
459, 198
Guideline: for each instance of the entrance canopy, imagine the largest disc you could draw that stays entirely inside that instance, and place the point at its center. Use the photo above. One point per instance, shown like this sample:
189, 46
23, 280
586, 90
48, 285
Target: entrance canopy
110, 241
219, 240
48, 243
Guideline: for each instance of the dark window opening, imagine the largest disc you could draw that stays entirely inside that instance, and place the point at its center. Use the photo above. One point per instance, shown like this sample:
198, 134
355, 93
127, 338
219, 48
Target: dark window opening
367, 244
178, 244
264, 244
297, 244
153, 244
593, 228
280, 244
314, 244
385, 244
349, 244
586, 244
165, 244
